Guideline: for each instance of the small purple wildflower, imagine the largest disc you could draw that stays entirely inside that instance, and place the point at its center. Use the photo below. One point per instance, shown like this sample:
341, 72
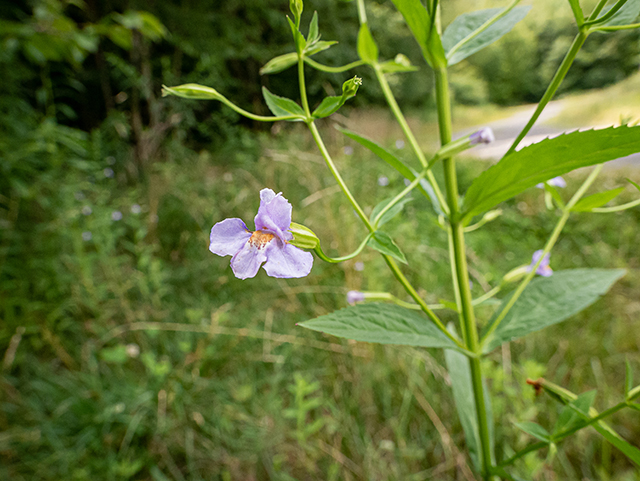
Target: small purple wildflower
269, 244
556, 182
359, 266
354, 296
86, 210
108, 172
543, 269
482, 136
383, 181
116, 215
86, 236
136, 209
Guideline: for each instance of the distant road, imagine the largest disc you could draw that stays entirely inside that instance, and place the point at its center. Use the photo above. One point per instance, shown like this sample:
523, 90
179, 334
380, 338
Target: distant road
506, 131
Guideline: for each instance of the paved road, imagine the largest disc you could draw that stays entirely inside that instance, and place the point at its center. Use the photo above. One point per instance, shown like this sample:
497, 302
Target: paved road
507, 129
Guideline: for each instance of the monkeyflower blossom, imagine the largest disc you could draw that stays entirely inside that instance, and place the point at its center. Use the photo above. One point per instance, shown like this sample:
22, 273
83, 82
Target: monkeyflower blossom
482, 136
355, 296
543, 269
268, 244
556, 182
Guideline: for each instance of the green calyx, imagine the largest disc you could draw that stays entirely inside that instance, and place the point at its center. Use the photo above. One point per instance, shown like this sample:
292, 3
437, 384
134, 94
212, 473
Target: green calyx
303, 237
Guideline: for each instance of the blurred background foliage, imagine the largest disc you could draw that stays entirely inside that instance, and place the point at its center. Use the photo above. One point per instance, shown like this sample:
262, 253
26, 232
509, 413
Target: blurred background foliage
131, 353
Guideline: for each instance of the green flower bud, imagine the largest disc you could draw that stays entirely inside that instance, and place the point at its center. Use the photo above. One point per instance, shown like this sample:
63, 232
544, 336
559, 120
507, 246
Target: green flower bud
296, 7
192, 91
280, 63
303, 237
350, 87
516, 274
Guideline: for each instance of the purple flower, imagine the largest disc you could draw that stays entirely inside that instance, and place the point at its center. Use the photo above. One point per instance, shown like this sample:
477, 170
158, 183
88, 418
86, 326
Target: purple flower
383, 181
269, 242
354, 296
482, 136
556, 182
543, 269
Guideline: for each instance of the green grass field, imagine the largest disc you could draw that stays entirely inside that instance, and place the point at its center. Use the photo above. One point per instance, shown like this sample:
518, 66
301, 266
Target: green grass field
136, 354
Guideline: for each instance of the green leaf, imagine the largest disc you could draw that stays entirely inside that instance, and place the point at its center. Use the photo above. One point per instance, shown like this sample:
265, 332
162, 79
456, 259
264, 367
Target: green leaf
397, 164
281, 106
392, 212
423, 28
625, 16
596, 200
628, 379
367, 48
399, 64
384, 244
634, 184
567, 420
553, 192
547, 159
331, 104
381, 324
460, 377
550, 300
459, 40
280, 63
313, 34
319, 47
535, 430
298, 38
192, 91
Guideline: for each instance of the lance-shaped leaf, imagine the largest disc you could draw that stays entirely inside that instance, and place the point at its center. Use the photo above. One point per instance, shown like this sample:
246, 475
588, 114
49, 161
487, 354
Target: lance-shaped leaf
279, 63
535, 430
547, 159
381, 324
423, 28
625, 16
367, 48
313, 35
384, 244
550, 300
469, 32
318, 47
281, 106
331, 104
400, 63
460, 376
591, 202
392, 212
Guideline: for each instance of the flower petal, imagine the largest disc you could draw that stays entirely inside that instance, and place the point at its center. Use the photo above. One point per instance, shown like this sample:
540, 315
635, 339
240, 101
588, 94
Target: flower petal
274, 214
228, 236
246, 262
285, 261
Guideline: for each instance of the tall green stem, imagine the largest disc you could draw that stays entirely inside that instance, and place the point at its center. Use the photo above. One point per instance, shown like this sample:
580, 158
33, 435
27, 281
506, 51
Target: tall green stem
578, 41
461, 274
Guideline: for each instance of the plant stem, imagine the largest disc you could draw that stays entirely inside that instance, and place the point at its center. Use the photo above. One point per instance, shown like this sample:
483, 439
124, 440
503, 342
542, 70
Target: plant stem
326, 68
402, 121
578, 41
303, 86
461, 272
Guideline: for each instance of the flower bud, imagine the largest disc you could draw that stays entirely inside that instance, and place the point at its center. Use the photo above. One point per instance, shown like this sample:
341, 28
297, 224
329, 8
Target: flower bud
350, 87
296, 7
482, 136
355, 296
303, 237
516, 274
192, 91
